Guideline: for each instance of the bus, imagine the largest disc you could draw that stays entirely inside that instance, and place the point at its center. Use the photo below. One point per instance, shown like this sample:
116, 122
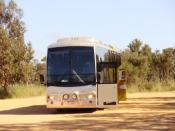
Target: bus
82, 73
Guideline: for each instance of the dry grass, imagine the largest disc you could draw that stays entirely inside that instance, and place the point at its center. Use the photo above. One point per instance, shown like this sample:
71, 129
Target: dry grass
157, 86
23, 91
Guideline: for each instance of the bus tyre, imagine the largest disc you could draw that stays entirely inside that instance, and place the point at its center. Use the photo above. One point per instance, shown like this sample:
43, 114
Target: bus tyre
59, 110
101, 109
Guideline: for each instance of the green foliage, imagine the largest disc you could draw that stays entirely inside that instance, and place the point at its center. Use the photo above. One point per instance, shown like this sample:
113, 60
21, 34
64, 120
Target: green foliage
5, 60
147, 70
136, 61
16, 56
135, 45
44, 59
40, 68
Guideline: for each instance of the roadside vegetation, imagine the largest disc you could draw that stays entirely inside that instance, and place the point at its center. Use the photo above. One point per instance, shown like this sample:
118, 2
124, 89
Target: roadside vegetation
154, 86
23, 91
20, 72
148, 70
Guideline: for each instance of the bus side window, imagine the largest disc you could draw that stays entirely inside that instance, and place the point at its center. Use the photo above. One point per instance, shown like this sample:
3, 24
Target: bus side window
106, 76
107, 63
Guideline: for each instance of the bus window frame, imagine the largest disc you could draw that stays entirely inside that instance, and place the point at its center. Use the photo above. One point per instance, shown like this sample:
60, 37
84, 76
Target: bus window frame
110, 62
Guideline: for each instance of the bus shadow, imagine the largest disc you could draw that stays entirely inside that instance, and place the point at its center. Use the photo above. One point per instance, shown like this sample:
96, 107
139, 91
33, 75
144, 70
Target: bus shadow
30, 110
151, 105
41, 109
112, 121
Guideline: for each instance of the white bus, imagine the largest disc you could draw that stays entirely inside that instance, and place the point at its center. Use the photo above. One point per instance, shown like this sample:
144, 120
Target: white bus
82, 73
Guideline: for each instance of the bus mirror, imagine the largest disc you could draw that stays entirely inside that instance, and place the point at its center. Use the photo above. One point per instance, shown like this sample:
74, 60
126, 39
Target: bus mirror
41, 78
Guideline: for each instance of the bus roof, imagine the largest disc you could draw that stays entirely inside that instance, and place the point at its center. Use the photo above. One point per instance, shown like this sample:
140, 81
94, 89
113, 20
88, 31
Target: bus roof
80, 41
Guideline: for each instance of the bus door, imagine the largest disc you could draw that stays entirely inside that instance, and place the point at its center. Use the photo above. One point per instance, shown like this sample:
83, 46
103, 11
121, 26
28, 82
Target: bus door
106, 84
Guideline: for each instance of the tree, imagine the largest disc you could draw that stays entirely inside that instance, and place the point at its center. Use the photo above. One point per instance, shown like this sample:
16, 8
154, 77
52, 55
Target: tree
146, 50
135, 45
44, 59
5, 60
40, 68
168, 63
28, 67
163, 64
16, 56
135, 61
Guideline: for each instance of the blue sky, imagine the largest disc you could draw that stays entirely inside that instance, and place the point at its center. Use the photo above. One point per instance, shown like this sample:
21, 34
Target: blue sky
115, 22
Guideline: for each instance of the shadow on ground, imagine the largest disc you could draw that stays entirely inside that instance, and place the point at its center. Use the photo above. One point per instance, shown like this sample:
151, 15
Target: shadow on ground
42, 110
136, 104
114, 121
153, 120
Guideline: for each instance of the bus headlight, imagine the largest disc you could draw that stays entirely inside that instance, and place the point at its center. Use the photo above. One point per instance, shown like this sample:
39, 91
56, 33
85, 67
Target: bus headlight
50, 97
65, 97
90, 96
74, 96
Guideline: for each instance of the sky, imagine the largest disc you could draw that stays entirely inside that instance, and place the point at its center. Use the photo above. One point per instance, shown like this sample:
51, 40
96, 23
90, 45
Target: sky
115, 22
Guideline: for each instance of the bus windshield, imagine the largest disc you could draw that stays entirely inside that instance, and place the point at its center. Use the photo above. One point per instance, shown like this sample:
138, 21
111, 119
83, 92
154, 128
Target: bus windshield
70, 66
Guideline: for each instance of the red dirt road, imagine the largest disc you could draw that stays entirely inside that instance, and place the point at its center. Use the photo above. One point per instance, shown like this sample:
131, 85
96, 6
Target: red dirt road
142, 111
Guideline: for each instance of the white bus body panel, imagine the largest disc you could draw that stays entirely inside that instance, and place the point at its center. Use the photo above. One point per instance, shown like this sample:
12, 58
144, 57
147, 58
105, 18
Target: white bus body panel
82, 93
80, 41
107, 95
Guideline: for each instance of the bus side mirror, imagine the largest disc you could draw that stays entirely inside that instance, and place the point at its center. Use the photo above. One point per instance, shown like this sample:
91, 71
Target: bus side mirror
41, 78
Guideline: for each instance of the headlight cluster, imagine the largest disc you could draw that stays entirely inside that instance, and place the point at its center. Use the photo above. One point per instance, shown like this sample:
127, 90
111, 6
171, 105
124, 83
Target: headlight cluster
53, 97
50, 97
71, 96
65, 97
74, 96
90, 96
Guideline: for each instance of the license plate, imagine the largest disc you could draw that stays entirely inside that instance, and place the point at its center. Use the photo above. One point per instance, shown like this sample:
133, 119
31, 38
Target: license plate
71, 102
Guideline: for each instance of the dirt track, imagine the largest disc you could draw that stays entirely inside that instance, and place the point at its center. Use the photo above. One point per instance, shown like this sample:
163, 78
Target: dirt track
143, 111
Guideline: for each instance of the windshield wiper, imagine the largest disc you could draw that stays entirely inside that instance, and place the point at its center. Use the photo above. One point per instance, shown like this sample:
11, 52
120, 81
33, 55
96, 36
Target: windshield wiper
79, 78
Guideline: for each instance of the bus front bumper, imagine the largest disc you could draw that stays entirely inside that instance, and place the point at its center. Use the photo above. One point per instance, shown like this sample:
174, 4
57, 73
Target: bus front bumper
72, 104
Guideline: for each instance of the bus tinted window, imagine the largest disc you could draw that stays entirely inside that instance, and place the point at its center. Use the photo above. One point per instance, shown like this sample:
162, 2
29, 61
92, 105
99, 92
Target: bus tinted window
107, 75
107, 63
82, 61
58, 62
70, 66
